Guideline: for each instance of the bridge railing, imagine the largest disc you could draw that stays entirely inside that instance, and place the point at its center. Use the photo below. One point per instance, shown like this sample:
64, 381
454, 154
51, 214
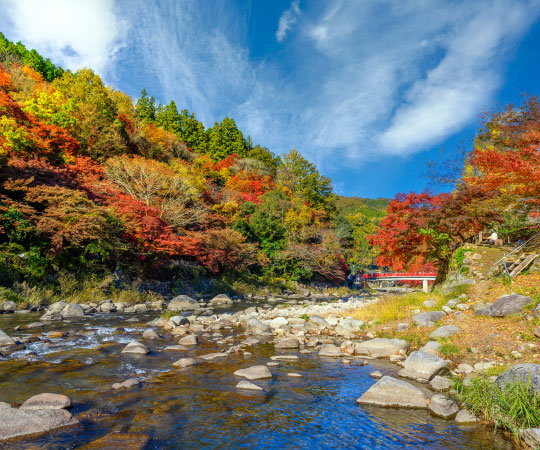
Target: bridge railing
374, 275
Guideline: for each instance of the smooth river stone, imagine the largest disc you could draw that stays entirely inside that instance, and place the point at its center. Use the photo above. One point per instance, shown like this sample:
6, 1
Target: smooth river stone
391, 392
422, 366
19, 422
247, 385
47, 401
136, 348
254, 373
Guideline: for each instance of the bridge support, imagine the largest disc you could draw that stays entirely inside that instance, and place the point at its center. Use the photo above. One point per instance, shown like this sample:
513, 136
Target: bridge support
425, 286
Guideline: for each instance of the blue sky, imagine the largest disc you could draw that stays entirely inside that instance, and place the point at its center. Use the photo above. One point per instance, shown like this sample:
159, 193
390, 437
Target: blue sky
369, 90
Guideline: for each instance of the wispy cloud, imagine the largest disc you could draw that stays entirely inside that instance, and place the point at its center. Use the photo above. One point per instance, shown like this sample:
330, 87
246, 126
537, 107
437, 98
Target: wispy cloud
287, 20
75, 34
356, 79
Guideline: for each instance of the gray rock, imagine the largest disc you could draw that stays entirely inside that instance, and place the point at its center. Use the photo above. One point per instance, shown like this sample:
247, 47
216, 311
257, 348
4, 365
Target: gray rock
183, 303
221, 300
389, 391
35, 325
47, 401
381, 347
428, 318
531, 436
507, 305
9, 306
432, 347
135, 347
278, 322
352, 324
330, 350
429, 303
442, 406
522, 373
257, 327
6, 340
422, 366
130, 382
465, 417
175, 348
284, 358
189, 340
108, 307
254, 372
536, 311
185, 362
72, 310
249, 386
376, 374
287, 343
150, 334
452, 303
444, 332
439, 383
20, 422
140, 308
212, 356
402, 326
447, 309
319, 321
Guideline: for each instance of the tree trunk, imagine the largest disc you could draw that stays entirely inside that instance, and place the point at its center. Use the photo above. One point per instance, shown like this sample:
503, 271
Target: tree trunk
444, 265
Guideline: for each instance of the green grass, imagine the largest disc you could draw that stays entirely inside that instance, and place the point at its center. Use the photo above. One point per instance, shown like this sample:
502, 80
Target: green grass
305, 317
449, 349
511, 407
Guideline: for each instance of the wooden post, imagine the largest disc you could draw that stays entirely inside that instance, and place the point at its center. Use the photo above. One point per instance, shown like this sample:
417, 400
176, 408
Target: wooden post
425, 285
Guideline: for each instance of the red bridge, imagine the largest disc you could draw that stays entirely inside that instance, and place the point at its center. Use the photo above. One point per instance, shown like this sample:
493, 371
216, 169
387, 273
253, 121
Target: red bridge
425, 277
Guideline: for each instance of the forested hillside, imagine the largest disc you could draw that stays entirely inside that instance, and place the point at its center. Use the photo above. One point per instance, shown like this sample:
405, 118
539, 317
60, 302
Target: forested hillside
92, 181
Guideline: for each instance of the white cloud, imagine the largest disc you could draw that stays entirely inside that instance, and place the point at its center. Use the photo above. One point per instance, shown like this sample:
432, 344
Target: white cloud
287, 20
72, 33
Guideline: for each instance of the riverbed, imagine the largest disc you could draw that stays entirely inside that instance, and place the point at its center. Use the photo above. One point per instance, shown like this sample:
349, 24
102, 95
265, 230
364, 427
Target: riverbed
199, 407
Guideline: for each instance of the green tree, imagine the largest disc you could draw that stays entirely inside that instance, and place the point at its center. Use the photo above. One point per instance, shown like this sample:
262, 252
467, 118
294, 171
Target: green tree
146, 107
301, 177
167, 117
224, 139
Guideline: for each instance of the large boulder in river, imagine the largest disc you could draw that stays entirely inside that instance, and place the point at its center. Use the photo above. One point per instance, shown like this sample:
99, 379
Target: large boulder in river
422, 366
20, 422
389, 391
136, 348
522, 373
254, 373
255, 326
507, 305
381, 347
72, 310
6, 340
47, 401
221, 300
183, 303
428, 318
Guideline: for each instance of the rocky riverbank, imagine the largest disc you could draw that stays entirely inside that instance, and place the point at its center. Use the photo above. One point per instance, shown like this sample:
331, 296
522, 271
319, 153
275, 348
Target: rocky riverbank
294, 327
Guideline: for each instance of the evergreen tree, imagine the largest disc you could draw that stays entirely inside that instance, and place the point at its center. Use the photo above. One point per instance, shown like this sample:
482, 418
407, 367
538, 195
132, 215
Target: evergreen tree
224, 139
146, 107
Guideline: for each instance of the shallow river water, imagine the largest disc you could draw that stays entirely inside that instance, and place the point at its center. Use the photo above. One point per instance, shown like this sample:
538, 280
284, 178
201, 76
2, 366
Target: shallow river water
199, 407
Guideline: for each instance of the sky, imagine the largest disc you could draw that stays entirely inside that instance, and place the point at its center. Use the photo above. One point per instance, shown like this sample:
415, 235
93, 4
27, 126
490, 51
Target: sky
371, 91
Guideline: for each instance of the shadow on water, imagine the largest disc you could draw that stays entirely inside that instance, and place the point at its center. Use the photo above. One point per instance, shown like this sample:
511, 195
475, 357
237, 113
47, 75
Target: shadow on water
199, 407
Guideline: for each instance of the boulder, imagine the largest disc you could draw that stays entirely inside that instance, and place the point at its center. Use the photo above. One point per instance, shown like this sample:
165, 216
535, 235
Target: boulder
72, 310
249, 386
150, 334
189, 340
381, 347
422, 366
522, 373
254, 372
257, 327
429, 303
20, 422
330, 350
432, 347
140, 308
465, 417
185, 362
442, 406
321, 321
389, 391
402, 326
47, 401
507, 305
221, 300
352, 324
108, 307
6, 340
444, 332
439, 383
428, 318
130, 382
287, 343
376, 374
9, 306
183, 303
531, 436
278, 322
135, 347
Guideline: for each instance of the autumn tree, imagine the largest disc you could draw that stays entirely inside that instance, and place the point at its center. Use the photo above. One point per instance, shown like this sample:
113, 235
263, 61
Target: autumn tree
420, 229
